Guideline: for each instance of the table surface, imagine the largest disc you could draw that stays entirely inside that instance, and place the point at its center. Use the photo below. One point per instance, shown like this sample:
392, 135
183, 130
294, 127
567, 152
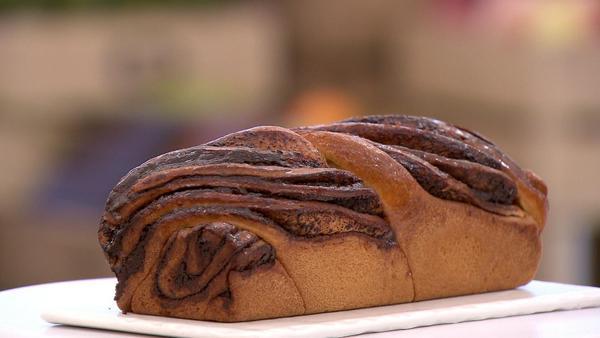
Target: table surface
20, 317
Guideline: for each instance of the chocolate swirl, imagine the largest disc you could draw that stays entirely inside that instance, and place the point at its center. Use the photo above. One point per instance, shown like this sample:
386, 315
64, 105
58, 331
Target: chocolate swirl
193, 257
449, 162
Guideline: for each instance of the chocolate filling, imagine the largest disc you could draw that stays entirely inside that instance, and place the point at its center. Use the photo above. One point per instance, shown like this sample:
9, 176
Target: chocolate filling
207, 155
413, 138
134, 261
354, 197
195, 256
444, 186
324, 223
365, 223
461, 134
489, 184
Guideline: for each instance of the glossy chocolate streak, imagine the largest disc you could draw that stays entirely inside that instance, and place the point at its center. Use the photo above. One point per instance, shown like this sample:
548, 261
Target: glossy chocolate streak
430, 125
354, 197
461, 134
292, 215
207, 155
489, 184
417, 122
442, 185
357, 197
273, 179
413, 138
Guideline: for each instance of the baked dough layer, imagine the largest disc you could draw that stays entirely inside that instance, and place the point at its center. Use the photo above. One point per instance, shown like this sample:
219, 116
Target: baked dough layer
271, 222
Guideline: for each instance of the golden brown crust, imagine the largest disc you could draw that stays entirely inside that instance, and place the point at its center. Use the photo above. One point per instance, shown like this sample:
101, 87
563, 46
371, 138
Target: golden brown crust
452, 248
271, 222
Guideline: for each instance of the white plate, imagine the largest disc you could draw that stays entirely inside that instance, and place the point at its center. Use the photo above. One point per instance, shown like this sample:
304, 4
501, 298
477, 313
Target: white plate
89, 303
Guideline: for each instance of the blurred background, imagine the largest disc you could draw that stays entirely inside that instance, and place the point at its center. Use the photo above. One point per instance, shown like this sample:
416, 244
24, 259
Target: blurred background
90, 89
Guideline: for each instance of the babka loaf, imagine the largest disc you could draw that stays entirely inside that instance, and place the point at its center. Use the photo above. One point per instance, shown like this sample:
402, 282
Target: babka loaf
271, 222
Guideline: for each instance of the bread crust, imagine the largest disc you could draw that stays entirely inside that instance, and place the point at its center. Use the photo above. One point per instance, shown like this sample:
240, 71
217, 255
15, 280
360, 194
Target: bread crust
272, 222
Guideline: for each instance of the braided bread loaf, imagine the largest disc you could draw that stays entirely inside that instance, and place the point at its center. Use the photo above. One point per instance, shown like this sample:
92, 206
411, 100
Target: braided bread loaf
271, 222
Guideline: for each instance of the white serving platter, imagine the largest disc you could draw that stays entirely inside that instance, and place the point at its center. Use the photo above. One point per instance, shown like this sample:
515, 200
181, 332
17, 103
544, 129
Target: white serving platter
89, 303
